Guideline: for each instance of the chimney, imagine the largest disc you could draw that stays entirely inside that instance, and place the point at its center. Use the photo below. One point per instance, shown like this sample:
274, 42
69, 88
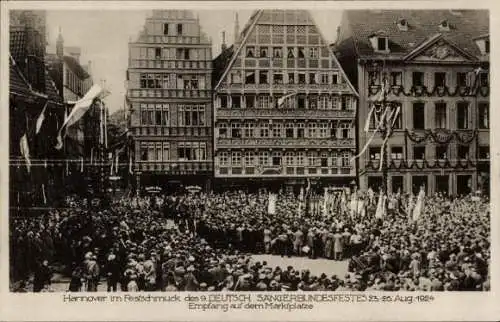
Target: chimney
60, 45
236, 28
223, 46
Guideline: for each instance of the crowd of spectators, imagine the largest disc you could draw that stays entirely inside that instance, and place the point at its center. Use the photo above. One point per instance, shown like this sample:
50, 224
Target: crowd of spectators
205, 242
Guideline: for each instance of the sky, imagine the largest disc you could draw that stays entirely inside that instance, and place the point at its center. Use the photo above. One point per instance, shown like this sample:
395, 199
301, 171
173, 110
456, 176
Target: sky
103, 37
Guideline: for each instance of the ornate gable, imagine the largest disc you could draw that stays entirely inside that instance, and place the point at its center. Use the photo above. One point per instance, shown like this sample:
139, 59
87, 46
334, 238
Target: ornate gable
438, 49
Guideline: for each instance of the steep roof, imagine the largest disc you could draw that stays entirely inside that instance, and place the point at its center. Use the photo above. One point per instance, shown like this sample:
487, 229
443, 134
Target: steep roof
465, 25
17, 42
51, 89
17, 83
75, 66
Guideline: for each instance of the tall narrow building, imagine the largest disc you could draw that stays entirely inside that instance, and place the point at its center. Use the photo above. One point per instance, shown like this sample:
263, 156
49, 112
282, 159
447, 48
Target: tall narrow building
169, 97
284, 109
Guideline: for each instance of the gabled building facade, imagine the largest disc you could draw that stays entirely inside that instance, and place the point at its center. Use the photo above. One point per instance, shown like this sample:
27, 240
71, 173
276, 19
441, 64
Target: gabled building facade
284, 109
436, 64
170, 101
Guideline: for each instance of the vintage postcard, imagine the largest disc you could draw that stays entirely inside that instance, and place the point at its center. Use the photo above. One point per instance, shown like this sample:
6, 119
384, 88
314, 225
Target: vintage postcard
249, 161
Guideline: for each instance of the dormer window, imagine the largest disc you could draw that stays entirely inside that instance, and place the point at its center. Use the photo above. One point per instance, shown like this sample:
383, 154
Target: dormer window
484, 44
382, 44
444, 26
403, 25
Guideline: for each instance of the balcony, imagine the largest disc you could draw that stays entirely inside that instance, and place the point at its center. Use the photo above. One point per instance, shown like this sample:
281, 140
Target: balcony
174, 167
279, 171
169, 93
169, 64
285, 88
172, 131
291, 114
256, 143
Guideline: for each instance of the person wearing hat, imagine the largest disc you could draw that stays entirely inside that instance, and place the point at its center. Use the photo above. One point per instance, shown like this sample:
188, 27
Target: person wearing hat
112, 271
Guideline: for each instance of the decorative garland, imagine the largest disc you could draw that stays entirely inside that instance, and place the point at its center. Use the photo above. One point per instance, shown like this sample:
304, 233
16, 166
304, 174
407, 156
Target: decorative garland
440, 91
442, 136
423, 164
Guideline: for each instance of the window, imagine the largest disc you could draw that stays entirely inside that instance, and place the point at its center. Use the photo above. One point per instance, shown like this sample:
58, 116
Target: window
346, 156
277, 52
311, 158
345, 130
186, 53
442, 184
374, 153
312, 78
484, 152
463, 152
264, 158
439, 79
278, 78
235, 130
484, 79
144, 152
396, 153
276, 130
300, 158
334, 79
418, 79
374, 78
250, 101
396, 78
144, 80
250, 51
179, 53
191, 115
313, 52
165, 28
382, 43
179, 29
223, 101
263, 77
313, 102
250, 77
440, 110
289, 130
301, 52
236, 158
264, 130
290, 52
249, 130
300, 130
397, 183
264, 101
236, 78
235, 101
301, 102
291, 78
311, 130
166, 151
323, 102
324, 159
289, 158
345, 102
419, 152
224, 158
419, 116
323, 130
263, 52
249, 158
487, 46
484, 115
157, 53
461, 79
462, 115
417, 183
187, 151
324, 79
441, 152
276, 158
302, 78
223, 130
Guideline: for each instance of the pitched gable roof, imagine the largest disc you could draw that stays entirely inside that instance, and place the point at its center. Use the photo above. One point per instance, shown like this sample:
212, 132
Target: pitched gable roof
438, 38
283, 18
75, 66
465, 25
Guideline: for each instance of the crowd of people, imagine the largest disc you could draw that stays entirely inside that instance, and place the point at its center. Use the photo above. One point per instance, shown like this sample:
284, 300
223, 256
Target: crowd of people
205, 242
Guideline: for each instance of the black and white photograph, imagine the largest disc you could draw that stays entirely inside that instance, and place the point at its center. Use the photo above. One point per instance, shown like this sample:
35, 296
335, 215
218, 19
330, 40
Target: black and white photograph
261, 150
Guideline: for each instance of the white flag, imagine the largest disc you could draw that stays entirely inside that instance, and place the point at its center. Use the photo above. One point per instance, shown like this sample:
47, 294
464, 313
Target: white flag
419, 206
25, 151
40, 119
80, 108
282, 99
380, 207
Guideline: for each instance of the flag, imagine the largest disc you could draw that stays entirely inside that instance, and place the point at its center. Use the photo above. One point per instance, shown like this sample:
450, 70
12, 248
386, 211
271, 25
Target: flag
80, 108
130, 164
380, 212
325, 203
81, 164
25, 151
43, 194
419, 206
40, 119
117, 159
283, 99
271, 206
